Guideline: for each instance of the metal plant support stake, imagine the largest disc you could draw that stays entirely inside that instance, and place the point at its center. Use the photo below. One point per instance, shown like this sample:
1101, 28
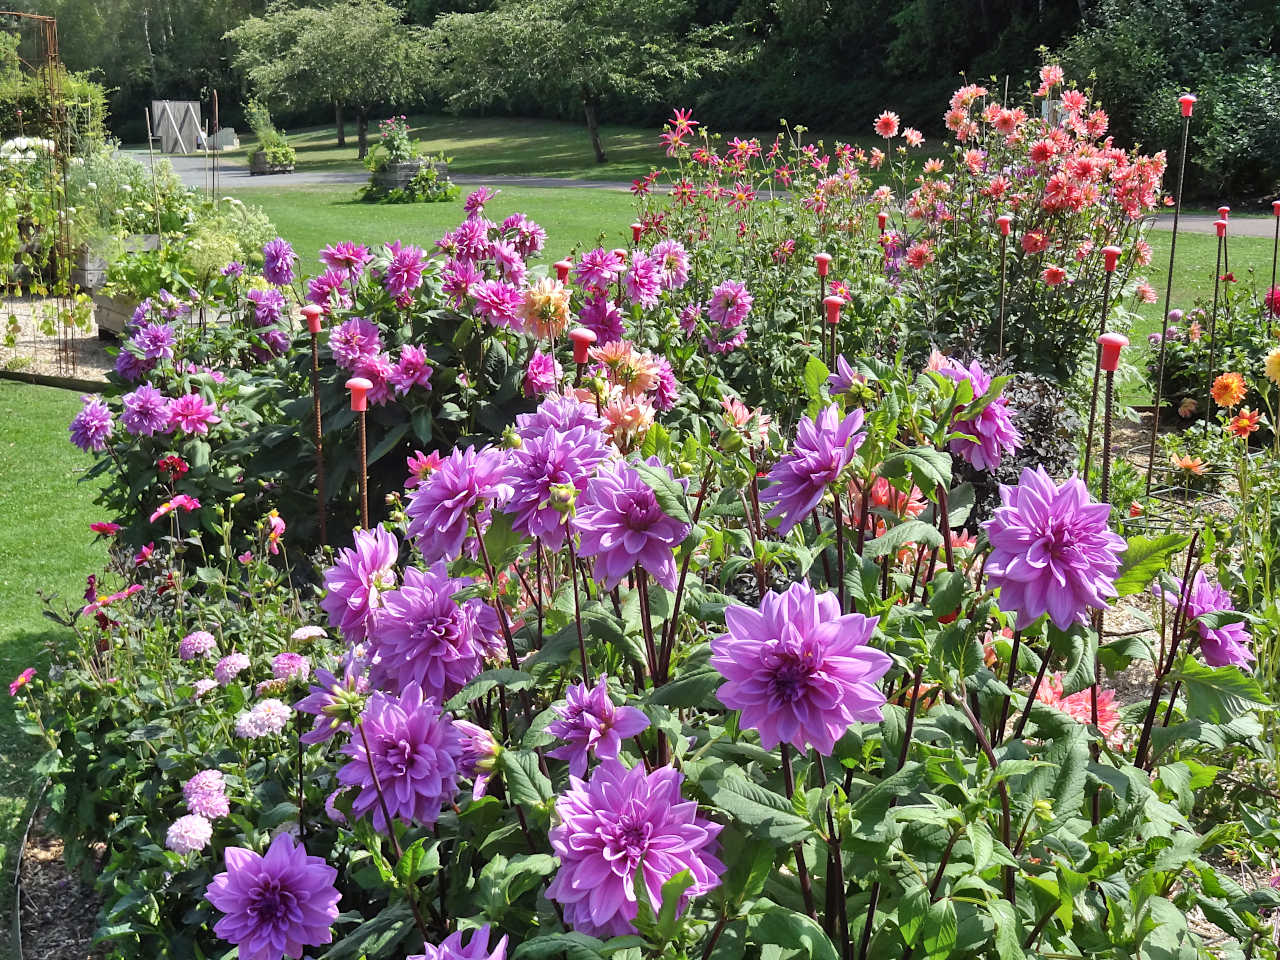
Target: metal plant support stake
1275, 244
1003, 221
360, 388
1187, 102
1111, 257
823, 263
314, 316
1221, 226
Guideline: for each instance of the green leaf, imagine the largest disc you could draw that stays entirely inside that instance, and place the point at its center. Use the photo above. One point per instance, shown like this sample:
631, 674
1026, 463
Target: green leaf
769, 813
672, 892
501, 542
571, 946
422, 859
939, 929
918, 532
911, 912
525, 781
1008, 930
947, 587
775, 925
688, 691
983, 844
1217, 694
1142, 562
928, 467
384, 931
670, 495
815, 378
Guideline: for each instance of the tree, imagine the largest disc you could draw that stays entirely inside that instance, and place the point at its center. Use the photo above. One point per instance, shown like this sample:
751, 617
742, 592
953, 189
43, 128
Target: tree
351, 53
571, 51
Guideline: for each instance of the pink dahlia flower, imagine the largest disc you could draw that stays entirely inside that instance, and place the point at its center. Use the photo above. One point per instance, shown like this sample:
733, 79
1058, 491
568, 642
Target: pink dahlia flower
993, 428
590, 723
1220, 646
1052, 551
621, 524
800, 672
477, 948
822, 450
619, 822
354, 585
191, 413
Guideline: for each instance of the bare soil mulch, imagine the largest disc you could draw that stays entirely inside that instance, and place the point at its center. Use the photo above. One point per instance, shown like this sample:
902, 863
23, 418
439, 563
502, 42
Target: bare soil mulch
58, 912
36, 352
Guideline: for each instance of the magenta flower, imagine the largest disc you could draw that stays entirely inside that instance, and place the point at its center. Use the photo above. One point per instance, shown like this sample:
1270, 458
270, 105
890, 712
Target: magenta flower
451, 948
822, 450
800, 672
328, 289
439, 509
274, 905
346, 256
278, 260
206, 795
602, 317
558, 413
666, 389
146, 411
197, 644
377, 369
542, 375
996, 435
470, 239
423, 636
353, 340
730, 305
598, 269
479, 756
510, 263
268, 306
1226, 646
673, 263
620, 822
21, 680
621, 524
355, 583
192, 413
330, 700
411, 370
643, 281
288, 665
1052, 551
844, 379
91, 427
230, 667
528, 237
188, 834
457, 279
131, 366
403, 273
551, 459
498, 302
474, 204
591, 723
156, 341
416, 751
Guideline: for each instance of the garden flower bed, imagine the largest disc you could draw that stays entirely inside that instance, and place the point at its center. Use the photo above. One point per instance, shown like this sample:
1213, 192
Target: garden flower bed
733, 591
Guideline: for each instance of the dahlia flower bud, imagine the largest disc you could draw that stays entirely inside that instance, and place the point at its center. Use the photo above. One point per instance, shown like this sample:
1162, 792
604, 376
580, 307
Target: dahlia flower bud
562, 497
510, 439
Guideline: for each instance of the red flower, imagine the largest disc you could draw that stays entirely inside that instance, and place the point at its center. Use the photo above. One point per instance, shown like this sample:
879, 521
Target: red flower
106, 529
887, 124
1053, 276
1035, 241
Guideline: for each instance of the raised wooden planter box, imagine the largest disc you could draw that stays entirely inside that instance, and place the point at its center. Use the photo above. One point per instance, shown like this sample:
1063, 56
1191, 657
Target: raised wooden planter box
258, 165
113, 314
89, 272
397, 176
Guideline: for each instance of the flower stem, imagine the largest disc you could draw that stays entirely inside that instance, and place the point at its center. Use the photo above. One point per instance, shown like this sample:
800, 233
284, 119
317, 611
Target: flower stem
838, 517
577, 610
502, 614
801, 871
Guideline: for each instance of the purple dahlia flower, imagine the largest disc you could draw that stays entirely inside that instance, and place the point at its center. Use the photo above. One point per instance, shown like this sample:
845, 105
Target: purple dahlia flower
331, 699
730, 304
188, 834
560, 413
132, 366
602, 317
822, 450
996, 435
329, 288
355, 583
403, 273
417, 753
621, 524
666, 388
800, 672
268, 306
844, 379
146, 411
618, 822
278, 259
354, 340
673, 263
479, 756
156, 341
411, 370
440, 507
598, 268
196, 644
206, 795
274, 905
591, 723
477, 948
1052, 551
91, 427
643, 281
1226, 646
423, 636
553, 458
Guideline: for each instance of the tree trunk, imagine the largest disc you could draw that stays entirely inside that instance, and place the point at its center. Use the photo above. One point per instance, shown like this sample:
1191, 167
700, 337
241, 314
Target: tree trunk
362, 131
590, 106
339, 123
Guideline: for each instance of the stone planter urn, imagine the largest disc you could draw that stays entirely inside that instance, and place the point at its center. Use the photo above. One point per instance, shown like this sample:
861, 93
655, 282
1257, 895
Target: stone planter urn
397, 176
258, 165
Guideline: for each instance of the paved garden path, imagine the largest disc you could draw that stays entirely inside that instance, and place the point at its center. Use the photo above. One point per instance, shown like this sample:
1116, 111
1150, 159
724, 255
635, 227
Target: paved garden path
233, 174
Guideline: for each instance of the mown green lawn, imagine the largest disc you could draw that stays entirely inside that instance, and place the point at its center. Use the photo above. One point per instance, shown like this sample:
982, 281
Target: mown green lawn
46, 547
310, 217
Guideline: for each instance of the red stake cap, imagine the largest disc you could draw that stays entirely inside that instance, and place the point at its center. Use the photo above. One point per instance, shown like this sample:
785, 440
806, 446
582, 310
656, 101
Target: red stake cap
1224, 212
636, 230
562, 269
1221, 227
881, 219
1187, 101
833, 305
1005, 221
1110, 257
823, 260
1275, 207
314, 315
1112, 344
619, 252
359, 388
582, 340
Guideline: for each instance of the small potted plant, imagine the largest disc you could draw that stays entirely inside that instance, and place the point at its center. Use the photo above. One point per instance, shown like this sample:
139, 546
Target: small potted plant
396, 159
273, 154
